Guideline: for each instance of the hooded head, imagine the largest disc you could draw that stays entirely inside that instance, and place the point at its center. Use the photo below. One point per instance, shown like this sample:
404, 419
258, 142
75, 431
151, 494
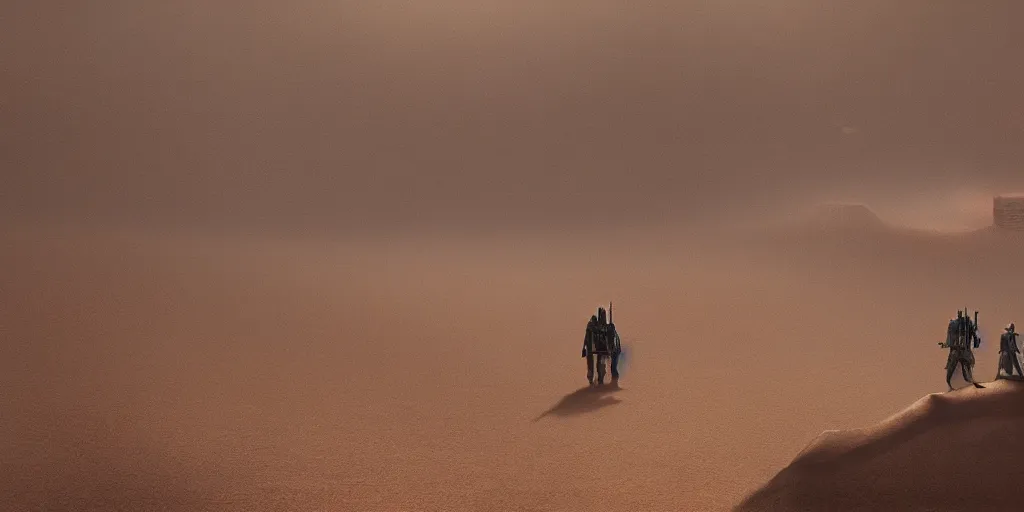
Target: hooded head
602, 318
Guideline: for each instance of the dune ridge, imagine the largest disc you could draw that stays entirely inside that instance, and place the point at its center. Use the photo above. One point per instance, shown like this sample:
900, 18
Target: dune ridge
926, 457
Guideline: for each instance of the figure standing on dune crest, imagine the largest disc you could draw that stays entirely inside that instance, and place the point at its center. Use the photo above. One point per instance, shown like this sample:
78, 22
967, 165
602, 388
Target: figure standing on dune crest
961, 334
1008, 351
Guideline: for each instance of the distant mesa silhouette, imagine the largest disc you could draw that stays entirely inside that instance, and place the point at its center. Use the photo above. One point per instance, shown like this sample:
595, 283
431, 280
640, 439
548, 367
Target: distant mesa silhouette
845, 216
831, 221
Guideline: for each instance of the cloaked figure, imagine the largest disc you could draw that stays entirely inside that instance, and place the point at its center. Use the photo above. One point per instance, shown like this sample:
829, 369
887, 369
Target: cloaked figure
961, 334
1008, 360
588, 346
601, 346
615, 346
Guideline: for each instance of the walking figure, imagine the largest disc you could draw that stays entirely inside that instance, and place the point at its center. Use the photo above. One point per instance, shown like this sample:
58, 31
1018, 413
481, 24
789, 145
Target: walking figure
1008, 360
961, 334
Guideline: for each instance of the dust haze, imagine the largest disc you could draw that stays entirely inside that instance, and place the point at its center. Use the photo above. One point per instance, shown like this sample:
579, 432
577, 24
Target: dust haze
303, 255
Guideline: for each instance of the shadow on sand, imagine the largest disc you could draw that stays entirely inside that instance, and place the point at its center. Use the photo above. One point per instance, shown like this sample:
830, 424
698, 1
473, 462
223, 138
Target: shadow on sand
583, 400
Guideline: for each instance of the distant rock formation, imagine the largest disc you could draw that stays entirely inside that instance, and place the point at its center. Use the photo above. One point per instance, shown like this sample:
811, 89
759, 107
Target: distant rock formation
843, 216
847, 215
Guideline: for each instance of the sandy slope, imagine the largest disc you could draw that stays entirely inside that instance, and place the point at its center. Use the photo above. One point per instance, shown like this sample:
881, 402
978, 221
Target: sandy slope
957, 451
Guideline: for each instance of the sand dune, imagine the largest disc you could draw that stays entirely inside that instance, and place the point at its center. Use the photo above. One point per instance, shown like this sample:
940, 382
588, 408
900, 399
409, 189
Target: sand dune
957, 451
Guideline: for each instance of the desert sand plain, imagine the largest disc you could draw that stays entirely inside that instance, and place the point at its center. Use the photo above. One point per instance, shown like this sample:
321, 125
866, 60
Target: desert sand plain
189, 372
339, 255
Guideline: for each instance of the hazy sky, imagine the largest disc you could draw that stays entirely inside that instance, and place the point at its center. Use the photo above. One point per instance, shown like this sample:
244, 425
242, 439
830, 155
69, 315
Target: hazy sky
332, 114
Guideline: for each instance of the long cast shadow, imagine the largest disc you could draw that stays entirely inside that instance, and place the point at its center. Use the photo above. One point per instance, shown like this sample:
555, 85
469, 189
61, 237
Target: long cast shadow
583, 400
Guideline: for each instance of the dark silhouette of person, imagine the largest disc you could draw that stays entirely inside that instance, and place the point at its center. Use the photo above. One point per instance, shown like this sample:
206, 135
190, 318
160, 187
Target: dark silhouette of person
1008, 352
615, 347
959, 336
588, 346
601, 344
601, 347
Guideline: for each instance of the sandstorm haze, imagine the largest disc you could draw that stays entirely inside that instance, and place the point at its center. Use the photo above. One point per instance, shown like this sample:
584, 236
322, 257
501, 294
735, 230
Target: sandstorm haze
370, 116
339, 255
